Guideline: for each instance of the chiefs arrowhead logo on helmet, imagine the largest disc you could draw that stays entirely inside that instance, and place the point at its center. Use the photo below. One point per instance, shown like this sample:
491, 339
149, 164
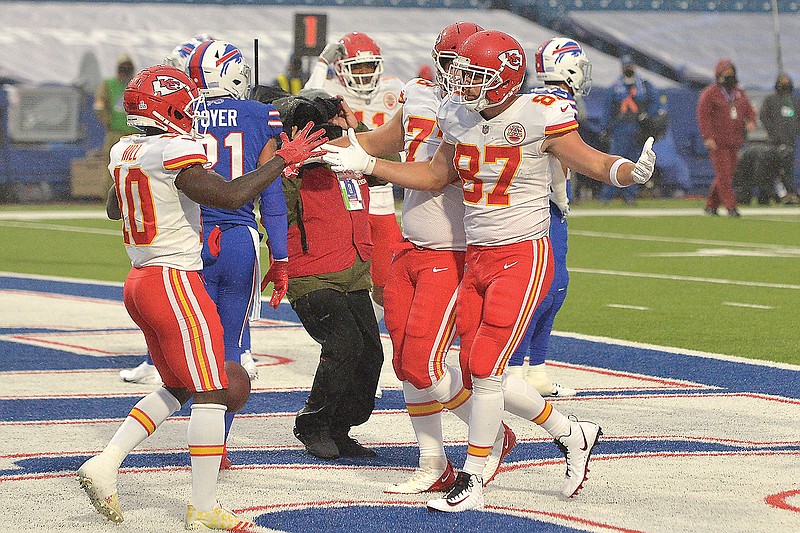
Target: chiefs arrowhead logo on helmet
511, 59
164, 85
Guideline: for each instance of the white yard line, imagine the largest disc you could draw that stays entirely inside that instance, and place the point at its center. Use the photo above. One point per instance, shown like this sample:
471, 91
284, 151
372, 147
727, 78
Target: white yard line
779, 211
685, 278
749, 306
59, 227
634, 307
679, 240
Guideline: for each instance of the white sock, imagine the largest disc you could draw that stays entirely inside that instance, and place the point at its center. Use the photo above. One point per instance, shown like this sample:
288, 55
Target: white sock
484, 421
522, 399
426, 419
206, 436
149, 413
450, 392
378, 309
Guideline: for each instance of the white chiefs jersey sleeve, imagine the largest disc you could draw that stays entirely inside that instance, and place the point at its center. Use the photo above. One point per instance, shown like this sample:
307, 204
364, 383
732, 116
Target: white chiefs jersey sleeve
430, 219
374, 111
504, 173
161, 225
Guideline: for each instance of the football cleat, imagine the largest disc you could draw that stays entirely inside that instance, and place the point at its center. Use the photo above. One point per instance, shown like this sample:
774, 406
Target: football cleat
249, 364
577, 446
144, 373
556, 390
499, 452
427, 479
465, 495
537, 376
99, 481
216, 518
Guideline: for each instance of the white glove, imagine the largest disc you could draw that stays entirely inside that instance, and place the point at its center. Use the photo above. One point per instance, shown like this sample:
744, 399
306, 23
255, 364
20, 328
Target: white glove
559, 187
646, 164
353, 158
332, 52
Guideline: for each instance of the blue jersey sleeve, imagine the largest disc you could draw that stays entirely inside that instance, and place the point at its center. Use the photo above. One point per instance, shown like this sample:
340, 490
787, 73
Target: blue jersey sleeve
273, 218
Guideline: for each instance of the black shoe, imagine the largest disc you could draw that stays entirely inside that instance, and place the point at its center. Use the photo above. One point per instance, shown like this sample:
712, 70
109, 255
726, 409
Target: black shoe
349, 447
709, 211
318, 444
734, 213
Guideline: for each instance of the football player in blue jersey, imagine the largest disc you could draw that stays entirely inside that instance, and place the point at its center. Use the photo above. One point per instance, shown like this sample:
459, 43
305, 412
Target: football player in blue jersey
239, 135
565, 75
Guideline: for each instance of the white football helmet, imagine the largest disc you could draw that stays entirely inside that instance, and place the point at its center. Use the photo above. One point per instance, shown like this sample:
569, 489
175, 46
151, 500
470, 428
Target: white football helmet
361, 67
179, 57
562, 59
218, 68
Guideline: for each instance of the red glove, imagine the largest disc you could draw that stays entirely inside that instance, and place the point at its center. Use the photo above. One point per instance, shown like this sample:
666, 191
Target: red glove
302, 146
278, 274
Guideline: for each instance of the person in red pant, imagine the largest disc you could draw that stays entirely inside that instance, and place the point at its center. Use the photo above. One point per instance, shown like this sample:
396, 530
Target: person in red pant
723, 115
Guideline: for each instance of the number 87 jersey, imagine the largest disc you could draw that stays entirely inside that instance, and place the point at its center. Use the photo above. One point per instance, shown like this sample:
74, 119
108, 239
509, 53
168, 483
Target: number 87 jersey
161, 225
504, 173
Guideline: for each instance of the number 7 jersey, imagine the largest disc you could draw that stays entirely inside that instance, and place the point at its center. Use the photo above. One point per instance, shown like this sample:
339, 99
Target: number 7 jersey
161, 225
504, 173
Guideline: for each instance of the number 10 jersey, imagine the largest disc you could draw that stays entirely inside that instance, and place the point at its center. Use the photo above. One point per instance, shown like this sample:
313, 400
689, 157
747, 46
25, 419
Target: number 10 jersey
161, 225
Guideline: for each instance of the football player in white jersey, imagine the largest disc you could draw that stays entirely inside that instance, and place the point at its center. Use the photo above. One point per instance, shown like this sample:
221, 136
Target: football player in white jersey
423, 279
374, 99
159, 182
500, 145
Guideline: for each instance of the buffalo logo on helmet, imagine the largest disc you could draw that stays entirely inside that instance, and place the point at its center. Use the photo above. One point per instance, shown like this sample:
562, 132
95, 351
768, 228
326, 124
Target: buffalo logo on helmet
166, 85
511, 59
570, 47
514, 133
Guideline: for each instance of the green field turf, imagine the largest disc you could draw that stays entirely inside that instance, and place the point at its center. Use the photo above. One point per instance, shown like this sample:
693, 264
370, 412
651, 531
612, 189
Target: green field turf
713, 284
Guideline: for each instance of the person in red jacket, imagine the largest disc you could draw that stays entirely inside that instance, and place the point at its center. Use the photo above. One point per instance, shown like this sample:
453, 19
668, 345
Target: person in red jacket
330, 250
723, 115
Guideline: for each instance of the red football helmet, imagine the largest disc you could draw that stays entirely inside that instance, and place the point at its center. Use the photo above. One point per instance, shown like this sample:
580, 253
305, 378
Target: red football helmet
165, 98
447, 42
490, 61
359, 50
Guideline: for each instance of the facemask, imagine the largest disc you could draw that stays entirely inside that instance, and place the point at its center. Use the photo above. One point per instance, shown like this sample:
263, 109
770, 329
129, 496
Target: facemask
729, 82
628, 75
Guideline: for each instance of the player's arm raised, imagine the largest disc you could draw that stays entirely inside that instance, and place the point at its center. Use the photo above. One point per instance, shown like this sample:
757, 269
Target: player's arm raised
209, 188
573, 152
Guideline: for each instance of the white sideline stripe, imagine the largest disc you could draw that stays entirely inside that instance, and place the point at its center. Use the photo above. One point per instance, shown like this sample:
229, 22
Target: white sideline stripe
673, 349
83, 214
685, 278
576, 211
58, 227
751, 306
61, 278
703, 242
634, 307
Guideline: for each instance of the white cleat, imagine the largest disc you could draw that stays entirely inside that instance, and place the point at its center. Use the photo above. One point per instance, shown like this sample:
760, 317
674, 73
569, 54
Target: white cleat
144, 373
537, 376
554, 390
249, 364
217, 518
425, 479
466, 494
99, 481
577, 446
499, 452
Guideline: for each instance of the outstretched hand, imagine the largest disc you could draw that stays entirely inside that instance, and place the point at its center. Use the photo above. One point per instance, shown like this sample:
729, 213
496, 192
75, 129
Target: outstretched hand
644, 167
302, 146
353, 158
332, 52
